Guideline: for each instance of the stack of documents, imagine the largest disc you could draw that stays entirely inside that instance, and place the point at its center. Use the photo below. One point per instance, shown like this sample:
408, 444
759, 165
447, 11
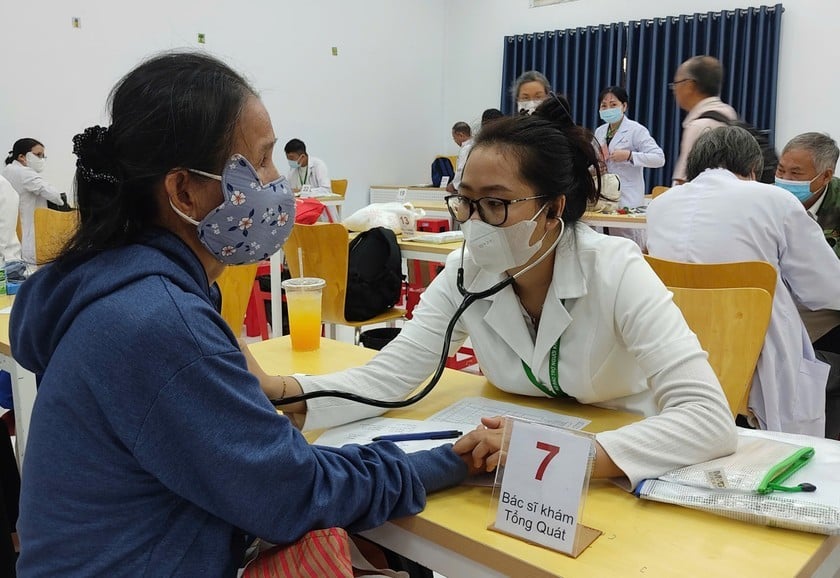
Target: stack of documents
442, 237
462, 417
732, 486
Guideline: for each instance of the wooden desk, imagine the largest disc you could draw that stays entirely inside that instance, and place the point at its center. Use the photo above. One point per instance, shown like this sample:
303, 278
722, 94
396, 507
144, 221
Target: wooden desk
641, 538
420, 251
635, 221
23, 383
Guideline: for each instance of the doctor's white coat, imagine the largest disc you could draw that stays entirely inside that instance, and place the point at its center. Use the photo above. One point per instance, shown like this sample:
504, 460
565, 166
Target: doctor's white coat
718, 218
646, 153
622, 344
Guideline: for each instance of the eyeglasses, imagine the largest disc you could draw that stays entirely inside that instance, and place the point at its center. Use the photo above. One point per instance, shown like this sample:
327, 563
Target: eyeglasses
673, 85
491, 210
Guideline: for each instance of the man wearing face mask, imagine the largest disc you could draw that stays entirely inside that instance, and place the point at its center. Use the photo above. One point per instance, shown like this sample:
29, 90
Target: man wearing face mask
529, 90
24, 166
806, 169
306, 170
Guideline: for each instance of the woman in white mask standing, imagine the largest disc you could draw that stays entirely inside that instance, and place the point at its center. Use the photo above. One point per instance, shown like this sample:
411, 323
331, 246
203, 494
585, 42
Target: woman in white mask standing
529, 90
24, 166
584, 317
628, 149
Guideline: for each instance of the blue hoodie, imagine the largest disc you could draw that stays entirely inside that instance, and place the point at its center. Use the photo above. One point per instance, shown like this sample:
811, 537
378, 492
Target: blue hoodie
153, 451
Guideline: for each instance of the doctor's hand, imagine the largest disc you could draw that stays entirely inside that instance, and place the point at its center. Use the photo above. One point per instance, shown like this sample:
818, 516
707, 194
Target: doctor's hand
483, 445
620, 155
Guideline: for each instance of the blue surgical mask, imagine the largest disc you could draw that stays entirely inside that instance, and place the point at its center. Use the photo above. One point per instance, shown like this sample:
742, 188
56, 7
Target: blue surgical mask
294, 165
800, 189
610, 115
253, 221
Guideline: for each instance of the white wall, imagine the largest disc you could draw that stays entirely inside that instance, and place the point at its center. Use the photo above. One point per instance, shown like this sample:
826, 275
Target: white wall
374, 113
379, 111
808, 78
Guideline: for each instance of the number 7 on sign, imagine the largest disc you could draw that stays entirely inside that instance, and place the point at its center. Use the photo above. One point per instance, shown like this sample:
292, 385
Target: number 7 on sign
552, 451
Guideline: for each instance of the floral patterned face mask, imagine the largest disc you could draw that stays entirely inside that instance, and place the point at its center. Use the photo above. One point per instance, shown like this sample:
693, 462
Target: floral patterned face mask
253, 221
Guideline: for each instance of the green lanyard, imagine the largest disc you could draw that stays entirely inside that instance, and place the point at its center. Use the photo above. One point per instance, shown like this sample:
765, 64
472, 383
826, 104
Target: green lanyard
553, 360
305, 177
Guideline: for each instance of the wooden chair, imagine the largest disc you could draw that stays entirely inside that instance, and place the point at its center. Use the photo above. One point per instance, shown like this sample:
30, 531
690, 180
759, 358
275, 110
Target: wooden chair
53, 230
715, 275
658, 190
730, 325
339, 186
325, 249
236, 284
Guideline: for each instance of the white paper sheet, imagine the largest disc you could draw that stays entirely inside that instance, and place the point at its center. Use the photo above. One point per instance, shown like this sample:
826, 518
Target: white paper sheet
470, 410
363, 432
6, 310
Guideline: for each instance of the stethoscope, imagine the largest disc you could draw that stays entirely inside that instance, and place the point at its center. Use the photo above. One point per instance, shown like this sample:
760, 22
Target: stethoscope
469, 298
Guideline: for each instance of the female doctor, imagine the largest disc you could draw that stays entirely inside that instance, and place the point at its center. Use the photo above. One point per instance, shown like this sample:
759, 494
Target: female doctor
626, 145
23, 170
618, 339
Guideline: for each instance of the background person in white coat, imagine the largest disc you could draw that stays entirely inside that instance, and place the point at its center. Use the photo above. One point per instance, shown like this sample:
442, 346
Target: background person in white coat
9, 242
627, 148
723, 215
618, 339
23, 170
306, 170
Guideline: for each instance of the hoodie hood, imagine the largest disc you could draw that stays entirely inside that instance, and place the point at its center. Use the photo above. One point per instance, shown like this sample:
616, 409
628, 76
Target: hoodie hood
49, 301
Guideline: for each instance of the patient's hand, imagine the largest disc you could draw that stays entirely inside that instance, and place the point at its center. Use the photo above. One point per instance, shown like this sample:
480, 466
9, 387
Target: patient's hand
483, 445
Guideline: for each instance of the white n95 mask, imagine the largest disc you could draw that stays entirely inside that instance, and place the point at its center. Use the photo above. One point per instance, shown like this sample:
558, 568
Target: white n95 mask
499, 249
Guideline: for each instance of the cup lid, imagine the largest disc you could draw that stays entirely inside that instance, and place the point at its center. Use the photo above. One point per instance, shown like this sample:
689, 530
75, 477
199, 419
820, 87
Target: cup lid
303, 284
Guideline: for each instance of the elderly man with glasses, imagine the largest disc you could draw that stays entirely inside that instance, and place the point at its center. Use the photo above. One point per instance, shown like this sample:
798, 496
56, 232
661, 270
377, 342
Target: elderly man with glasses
696, 87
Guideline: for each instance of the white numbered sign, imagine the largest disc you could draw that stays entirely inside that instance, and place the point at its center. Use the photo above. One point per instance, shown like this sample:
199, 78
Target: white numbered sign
544, 482
401, 195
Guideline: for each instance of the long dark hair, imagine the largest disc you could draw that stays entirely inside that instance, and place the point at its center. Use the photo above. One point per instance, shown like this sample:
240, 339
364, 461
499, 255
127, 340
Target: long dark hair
174, 110
555, 155
21, 147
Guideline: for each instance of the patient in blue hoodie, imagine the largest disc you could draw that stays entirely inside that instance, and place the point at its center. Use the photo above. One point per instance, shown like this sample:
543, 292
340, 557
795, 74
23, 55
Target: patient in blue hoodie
153, 451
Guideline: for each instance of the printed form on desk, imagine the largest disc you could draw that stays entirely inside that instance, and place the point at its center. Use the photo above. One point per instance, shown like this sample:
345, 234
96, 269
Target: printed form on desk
464, 416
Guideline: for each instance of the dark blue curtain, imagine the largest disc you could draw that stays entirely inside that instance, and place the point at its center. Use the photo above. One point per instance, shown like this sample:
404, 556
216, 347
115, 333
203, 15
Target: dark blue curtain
643, 55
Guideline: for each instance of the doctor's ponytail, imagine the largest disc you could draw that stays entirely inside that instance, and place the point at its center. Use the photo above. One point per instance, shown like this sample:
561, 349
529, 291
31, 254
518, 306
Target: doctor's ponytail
555, 155
21, 147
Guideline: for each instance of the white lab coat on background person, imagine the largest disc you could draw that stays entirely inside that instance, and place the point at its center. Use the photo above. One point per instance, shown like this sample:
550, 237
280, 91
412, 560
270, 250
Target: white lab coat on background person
634, 137
9, 242
314, 174
622, 344
719, 218
34, 192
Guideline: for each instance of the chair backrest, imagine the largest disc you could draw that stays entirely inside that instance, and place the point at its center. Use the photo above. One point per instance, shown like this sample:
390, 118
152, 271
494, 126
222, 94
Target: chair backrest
339, 186
52, 231
658, 190
325, 252
715, 275
730, 325
236, 283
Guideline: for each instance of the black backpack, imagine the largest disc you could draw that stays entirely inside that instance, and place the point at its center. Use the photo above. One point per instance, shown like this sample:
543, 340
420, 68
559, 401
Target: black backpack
442, 167
768, 151
374, 274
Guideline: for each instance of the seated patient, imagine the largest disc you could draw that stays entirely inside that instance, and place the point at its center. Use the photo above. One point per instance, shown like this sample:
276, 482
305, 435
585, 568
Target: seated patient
723, 215
153, 451
618, 339
806, 169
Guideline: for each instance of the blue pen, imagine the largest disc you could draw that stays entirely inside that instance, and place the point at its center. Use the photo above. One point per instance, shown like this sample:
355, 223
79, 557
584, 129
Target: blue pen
420, 435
